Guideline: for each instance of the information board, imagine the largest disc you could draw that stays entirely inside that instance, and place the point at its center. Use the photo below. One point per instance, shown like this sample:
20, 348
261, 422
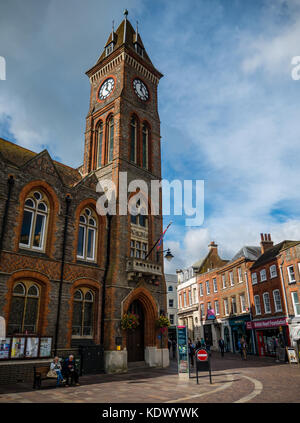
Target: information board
45, 347
4, 348
182, 349
18, 347
32, 347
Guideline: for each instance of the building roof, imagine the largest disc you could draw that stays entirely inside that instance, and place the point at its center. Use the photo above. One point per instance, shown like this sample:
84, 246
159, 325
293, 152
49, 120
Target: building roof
170, 278
125, 34
272, 252
249, 253
20, 156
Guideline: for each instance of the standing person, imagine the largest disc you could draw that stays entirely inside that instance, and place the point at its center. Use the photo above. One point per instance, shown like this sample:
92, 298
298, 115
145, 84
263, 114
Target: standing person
198, 344
202, 343
56, 366
240, 348
222, 346
174, 345
191, 347
70, 370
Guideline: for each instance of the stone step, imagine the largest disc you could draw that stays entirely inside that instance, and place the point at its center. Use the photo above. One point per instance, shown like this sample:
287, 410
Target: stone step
136, 364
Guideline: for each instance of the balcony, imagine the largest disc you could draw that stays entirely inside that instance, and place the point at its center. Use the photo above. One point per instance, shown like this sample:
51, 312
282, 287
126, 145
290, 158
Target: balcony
138, 268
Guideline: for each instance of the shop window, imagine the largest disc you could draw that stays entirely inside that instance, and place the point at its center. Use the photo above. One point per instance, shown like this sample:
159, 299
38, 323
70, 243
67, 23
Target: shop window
83, 313
267, 305
263, 275
254, 278
291, 274
277, 300
215, 285
273, 271
257, 304
87, 235
24, 310
34, 225
296, 303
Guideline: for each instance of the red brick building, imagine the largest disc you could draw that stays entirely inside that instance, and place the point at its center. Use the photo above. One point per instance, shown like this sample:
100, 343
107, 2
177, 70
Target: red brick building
58, 254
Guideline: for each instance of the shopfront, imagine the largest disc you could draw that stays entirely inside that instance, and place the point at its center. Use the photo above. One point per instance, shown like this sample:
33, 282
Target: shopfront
238, 330
270, 334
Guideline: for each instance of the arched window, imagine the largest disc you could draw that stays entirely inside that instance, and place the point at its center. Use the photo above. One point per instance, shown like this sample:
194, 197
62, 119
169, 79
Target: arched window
99, 144
139, 230
133, 139
110, 139
170, 289
34, 226
87, 235
24, 308
145, 147
83, 312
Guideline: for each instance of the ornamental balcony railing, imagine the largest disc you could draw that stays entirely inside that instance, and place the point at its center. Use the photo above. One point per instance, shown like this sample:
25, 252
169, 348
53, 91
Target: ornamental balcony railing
136, 268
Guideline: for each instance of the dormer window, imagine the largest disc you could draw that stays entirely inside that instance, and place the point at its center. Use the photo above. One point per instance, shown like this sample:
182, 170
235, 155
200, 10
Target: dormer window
139, 49
109, 49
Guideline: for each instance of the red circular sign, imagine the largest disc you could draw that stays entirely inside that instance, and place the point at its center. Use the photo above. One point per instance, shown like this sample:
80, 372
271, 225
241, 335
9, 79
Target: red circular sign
202, 355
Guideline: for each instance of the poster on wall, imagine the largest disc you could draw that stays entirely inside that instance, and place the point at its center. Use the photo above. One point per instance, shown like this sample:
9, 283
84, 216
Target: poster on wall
292, 356
45, 347
183, 362
17, 347
4, 348
32, 347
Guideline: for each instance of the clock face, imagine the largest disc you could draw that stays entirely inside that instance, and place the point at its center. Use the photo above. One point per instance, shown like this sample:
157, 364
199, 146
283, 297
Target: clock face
140, 89
106, 88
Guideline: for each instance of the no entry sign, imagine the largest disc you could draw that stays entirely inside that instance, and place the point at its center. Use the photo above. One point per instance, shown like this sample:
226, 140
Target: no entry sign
202, 355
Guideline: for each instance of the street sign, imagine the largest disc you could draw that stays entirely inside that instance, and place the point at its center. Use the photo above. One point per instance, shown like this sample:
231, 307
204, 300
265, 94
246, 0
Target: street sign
202, 355
202, 362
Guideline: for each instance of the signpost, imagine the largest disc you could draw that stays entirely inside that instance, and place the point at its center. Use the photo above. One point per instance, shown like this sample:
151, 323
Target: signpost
182, 350
203, 362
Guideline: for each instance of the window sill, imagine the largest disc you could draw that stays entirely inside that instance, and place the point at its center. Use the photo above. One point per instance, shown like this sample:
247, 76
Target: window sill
87, 263
291, 282
29, 252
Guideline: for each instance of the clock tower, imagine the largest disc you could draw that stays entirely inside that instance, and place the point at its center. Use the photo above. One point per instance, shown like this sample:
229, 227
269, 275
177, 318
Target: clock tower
122, 140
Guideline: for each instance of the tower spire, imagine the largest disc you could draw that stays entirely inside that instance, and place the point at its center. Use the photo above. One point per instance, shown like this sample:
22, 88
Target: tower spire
125, 26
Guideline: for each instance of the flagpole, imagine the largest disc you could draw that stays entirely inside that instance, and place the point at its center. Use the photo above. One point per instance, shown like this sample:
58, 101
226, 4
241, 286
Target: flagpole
156, 243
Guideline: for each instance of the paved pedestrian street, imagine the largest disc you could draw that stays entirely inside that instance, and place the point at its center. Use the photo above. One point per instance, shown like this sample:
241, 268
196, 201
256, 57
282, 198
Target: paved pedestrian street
257, 380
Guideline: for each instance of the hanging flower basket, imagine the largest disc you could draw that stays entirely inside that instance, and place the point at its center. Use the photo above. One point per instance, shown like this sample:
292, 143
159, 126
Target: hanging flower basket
129, 321
163, 322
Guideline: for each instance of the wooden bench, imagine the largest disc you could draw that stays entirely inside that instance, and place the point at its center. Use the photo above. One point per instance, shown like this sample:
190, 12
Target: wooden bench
39, 374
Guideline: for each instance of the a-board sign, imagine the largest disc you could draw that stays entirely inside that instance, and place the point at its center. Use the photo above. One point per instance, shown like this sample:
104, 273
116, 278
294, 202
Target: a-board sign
292, 355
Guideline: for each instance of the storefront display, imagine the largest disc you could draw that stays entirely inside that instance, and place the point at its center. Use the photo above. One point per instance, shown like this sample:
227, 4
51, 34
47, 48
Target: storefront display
271, 334
239, 330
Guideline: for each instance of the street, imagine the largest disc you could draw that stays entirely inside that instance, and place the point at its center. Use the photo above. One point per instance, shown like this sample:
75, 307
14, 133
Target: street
257, 380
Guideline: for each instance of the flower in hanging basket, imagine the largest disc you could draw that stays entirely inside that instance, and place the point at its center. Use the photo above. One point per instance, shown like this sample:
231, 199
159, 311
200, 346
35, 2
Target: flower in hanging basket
162, 322
129, 321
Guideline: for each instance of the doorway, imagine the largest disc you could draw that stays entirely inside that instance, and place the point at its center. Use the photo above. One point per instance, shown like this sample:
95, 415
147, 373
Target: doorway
135, 337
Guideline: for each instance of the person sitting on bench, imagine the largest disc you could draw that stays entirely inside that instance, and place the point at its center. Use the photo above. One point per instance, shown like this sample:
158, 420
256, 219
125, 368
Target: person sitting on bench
70, 370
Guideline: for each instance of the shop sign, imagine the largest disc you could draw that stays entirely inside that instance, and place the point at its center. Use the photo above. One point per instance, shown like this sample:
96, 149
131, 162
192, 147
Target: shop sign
263, 324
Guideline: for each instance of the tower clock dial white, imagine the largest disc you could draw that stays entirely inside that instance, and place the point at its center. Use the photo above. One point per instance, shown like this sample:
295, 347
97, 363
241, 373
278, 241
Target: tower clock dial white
106, 88
140, 89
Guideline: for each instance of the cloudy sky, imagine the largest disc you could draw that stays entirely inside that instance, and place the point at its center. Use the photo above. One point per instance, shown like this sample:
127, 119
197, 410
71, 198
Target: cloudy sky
228, 105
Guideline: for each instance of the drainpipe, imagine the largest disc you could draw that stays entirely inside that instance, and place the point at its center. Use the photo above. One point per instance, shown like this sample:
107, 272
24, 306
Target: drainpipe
250, 312
10, 183
68, 202
109, 217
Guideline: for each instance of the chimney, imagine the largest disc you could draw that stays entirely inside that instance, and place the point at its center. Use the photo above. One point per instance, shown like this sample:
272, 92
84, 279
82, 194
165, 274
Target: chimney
213, 246
265, 242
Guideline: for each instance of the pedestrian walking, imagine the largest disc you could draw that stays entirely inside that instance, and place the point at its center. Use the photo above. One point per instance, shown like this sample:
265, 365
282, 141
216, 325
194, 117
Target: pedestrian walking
222, 346
55, 366
191, 348
70, 371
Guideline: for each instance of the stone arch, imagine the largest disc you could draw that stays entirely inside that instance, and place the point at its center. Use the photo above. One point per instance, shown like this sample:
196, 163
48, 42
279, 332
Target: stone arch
150, 312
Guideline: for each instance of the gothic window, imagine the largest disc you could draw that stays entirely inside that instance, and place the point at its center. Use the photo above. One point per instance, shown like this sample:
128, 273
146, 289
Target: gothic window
145, 146
24, 310
34, 225
87, 235
83, 312
110, 139
133, 139
99, 144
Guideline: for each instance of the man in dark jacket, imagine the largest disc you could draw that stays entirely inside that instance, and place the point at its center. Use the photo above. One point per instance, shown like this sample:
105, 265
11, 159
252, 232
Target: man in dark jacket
222, 346
70, 371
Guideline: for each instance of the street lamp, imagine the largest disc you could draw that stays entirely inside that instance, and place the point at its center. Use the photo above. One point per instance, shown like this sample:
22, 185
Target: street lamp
168, 255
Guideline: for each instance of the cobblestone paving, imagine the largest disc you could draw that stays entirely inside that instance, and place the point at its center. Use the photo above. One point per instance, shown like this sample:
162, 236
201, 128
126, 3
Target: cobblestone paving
234, 380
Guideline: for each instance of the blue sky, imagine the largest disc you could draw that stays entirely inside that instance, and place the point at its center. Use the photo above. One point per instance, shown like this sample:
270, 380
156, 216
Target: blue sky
228, 106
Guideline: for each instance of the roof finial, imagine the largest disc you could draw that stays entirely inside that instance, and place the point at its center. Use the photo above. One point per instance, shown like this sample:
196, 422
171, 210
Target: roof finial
124, 35
137, 31
125, 13
113, 30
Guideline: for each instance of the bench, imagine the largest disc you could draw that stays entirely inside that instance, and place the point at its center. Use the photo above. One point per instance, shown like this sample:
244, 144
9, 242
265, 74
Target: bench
39, 374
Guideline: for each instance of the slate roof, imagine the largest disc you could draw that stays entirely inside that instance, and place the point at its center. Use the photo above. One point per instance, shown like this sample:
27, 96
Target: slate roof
272, 252
250, 253
19, 156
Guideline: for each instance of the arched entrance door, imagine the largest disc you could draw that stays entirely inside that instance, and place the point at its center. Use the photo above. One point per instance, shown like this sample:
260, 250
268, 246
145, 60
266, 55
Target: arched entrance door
135, 337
